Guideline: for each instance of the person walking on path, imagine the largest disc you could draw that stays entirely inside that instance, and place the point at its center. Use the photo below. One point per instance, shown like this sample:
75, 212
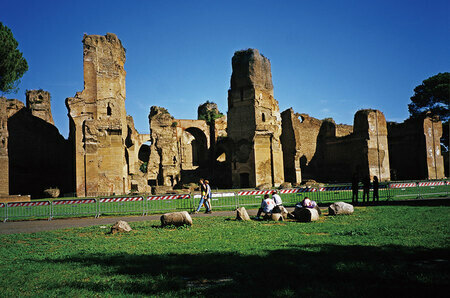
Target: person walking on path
355, 188
376, 186
366, 188
204, 196
208, 195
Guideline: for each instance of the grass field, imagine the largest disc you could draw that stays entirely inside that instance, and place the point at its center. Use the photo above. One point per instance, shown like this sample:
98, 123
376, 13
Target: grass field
383, 250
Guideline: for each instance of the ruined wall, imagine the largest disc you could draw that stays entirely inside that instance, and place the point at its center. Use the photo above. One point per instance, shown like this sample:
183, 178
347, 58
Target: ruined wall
39, 157
254, 122
164, 166
98, 124
290, 140
414, 148
38, 102
4, 160
330, 152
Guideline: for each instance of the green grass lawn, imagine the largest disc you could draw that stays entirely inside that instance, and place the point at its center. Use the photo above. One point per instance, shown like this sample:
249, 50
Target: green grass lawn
383, 250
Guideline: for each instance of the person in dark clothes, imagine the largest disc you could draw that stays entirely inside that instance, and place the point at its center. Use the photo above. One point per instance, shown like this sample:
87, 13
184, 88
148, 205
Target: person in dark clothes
376, 185
355, 187
366, 188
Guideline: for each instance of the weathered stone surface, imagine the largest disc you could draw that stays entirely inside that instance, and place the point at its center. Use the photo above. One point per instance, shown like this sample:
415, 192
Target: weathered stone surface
339, 208
4, 159
241, 214
285, 185
415, 150
254, 122
176, 219
276, 217
306, 214
99, 127
120, 226
51, 192
38, 102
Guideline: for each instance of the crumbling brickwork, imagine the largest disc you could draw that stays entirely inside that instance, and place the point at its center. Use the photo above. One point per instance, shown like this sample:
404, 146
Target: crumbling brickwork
290, 140
328, 152
254, 122
415, 150
4, 160
98, 119
38, 102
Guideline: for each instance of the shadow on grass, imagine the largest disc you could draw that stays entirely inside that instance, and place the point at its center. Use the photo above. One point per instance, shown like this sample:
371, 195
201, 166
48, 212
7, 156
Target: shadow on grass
313, 270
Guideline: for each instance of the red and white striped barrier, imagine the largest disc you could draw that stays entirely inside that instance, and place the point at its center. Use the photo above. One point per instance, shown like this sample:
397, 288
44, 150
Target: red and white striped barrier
72, 202
171, 197
2, 205
437, 183
124, 199
254, 192
402, 185
28, 204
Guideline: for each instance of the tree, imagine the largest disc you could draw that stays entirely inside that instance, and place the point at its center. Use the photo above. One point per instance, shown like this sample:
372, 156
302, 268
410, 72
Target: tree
12, 64
432, 96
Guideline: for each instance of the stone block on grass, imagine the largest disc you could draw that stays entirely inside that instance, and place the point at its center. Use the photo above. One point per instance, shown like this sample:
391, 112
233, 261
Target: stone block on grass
120, 226
339, 208
176, 219
241, 214
306, 214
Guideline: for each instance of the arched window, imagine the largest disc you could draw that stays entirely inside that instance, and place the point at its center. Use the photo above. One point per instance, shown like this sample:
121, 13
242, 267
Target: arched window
263, 117
108, 110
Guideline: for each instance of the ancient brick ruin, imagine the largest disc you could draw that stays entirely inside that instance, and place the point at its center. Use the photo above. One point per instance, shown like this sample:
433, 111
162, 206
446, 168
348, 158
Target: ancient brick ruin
415, 149
253, 146
254, 123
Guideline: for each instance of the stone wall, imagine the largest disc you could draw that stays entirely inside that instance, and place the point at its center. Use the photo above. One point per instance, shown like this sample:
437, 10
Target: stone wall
254, 122
38, 102
290, 140
4, 160
38, 156
330, 152
414, 148
98, 119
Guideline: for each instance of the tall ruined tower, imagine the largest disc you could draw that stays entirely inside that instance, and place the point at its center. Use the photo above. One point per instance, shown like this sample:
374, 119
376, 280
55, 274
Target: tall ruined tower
371, 130
254, 122
4, 160
98, 124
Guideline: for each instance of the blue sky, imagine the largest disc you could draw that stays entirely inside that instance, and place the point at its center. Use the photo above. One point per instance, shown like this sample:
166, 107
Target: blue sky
329, 58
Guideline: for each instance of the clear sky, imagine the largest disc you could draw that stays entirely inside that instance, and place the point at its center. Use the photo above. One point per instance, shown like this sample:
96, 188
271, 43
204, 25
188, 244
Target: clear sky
329, 58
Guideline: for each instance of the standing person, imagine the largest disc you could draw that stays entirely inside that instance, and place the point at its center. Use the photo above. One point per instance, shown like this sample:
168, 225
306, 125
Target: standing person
208, 196
355, 188
366, 188
277, 200
203, 198
376, 185
267, 205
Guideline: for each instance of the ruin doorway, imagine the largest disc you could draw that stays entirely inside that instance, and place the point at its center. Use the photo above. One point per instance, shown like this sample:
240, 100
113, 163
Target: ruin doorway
198, 147
244, 179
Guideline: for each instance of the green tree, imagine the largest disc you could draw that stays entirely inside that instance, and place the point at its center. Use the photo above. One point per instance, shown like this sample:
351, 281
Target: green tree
432, 96
208, 112
12, 64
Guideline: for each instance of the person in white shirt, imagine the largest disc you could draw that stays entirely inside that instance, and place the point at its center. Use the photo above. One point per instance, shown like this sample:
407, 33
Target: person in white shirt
267, 205
278, 203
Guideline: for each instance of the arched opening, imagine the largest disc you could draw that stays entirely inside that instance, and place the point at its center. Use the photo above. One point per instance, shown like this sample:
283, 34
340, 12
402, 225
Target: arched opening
108, 110
198, 146
144, 156
263, 117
